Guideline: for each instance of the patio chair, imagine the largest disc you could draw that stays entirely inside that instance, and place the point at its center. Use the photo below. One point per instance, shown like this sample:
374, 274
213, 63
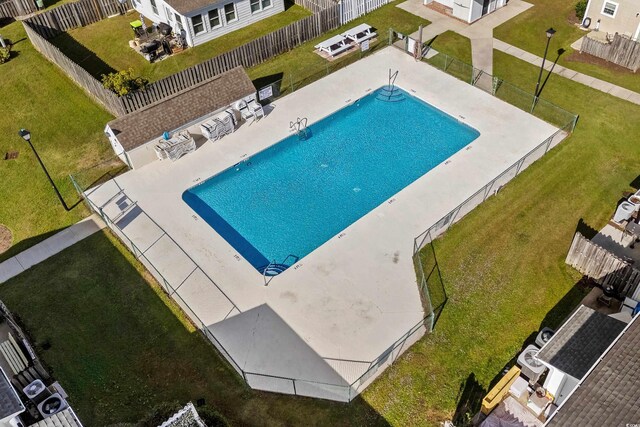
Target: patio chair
224, 124
209, 130
334, 45
256, 108
360, 33
245, 112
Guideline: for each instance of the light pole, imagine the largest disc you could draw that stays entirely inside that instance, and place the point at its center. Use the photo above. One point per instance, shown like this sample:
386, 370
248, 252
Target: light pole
550, 32
26, 135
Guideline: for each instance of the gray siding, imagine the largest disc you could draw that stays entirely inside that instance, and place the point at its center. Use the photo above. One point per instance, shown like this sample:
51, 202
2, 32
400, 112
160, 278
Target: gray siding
625, 21
244, 17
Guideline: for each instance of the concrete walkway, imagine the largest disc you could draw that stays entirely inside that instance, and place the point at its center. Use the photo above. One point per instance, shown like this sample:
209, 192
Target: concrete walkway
49, 247
592, 82
482, 44
480, 32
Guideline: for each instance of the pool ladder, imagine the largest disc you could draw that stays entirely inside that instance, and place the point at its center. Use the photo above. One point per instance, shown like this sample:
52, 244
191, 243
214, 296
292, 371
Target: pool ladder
274, 268
300, 126
390, 92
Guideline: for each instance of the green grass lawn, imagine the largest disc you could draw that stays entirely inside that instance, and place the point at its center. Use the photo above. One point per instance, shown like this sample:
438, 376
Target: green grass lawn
302, 65
453, 44
66, 129
503, 264
103, 47
120, 347
527, 31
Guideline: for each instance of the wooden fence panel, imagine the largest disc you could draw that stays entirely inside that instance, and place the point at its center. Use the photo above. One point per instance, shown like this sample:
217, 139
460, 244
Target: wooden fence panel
78, 74
47, 25
247, 55
604, 267
622, 51
8, 10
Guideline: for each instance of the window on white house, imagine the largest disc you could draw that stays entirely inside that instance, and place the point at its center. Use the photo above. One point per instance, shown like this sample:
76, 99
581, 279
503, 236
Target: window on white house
609, 9
154, 7
214, 18
255, 5
179, 26
230, 12
169, 15
198, 24
266, 4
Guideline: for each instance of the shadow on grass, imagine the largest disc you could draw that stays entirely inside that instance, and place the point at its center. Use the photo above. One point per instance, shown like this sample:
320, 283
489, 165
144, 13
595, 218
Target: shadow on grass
99, 324
82, 56
471, 393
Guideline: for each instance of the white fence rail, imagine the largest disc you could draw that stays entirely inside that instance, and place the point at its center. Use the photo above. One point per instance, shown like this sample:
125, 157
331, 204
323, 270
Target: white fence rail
352, 9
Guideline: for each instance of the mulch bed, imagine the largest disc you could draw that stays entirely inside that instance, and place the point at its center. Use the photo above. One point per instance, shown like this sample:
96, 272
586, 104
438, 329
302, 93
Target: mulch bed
6, 238
590, 59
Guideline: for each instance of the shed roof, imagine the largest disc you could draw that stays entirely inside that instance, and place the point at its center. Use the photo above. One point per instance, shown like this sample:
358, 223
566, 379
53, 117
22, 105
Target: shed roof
10, 404
138, 128
610, 394
184, 7
580, 341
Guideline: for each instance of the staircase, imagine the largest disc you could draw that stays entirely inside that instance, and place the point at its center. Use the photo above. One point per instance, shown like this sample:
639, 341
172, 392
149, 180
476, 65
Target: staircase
273, 269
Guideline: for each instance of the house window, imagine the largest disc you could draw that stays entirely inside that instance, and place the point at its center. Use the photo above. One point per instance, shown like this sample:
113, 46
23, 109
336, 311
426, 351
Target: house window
198, 24
214, 18
230, 12
154, 7
169, 15
266, 4
179, 26
609, 9
255, 5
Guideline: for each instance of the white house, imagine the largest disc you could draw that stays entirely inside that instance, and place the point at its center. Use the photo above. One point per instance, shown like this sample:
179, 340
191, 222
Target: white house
204, 20
470, 10
619, 16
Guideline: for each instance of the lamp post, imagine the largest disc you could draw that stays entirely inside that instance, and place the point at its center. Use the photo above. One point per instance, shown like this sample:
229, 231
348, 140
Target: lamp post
26, 135
550, 32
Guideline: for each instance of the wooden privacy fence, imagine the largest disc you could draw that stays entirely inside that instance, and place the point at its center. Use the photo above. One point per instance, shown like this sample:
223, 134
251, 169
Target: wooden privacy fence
74, 15
352, 9
621, 51
46, 25
247, 55
604, 267
75, 72
13, 8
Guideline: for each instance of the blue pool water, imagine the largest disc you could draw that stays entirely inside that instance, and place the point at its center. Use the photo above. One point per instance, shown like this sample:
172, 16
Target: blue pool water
287, 200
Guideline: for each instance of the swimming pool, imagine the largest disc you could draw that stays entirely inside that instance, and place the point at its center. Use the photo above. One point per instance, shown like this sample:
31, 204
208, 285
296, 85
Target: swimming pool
282, 203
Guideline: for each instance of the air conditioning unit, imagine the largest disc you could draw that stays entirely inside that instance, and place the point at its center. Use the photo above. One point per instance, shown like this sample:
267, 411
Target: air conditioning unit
36, 391
52, 405
531, 367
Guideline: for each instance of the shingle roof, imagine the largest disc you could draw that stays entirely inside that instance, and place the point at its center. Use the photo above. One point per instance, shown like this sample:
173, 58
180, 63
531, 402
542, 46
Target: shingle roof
610, 394
9, 402
183, 7
581, 341
151, 122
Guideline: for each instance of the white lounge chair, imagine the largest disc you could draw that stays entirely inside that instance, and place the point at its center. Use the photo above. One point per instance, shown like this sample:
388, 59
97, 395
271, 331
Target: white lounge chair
209, 130
334, 46
360, 33
256, 108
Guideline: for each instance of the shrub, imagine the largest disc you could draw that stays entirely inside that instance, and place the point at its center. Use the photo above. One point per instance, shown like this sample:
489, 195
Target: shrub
123, 82
5, 54
581, 8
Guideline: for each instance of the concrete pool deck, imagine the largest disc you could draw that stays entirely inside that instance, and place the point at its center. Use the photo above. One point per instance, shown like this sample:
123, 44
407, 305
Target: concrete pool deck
327, 319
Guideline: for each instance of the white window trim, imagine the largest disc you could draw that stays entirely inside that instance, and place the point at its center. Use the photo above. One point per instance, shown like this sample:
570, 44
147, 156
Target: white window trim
235, 13
209, 20
202, 23
259, 7
615, 12
268, 7
154, 6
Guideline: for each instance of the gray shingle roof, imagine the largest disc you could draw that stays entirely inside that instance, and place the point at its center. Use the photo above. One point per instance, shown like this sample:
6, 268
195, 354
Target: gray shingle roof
9, 402
184, 7
151, 122
581, 341
610, 394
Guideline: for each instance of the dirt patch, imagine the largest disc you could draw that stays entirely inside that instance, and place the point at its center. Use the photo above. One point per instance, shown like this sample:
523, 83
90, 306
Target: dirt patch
590, 59
573, 18
6, 238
